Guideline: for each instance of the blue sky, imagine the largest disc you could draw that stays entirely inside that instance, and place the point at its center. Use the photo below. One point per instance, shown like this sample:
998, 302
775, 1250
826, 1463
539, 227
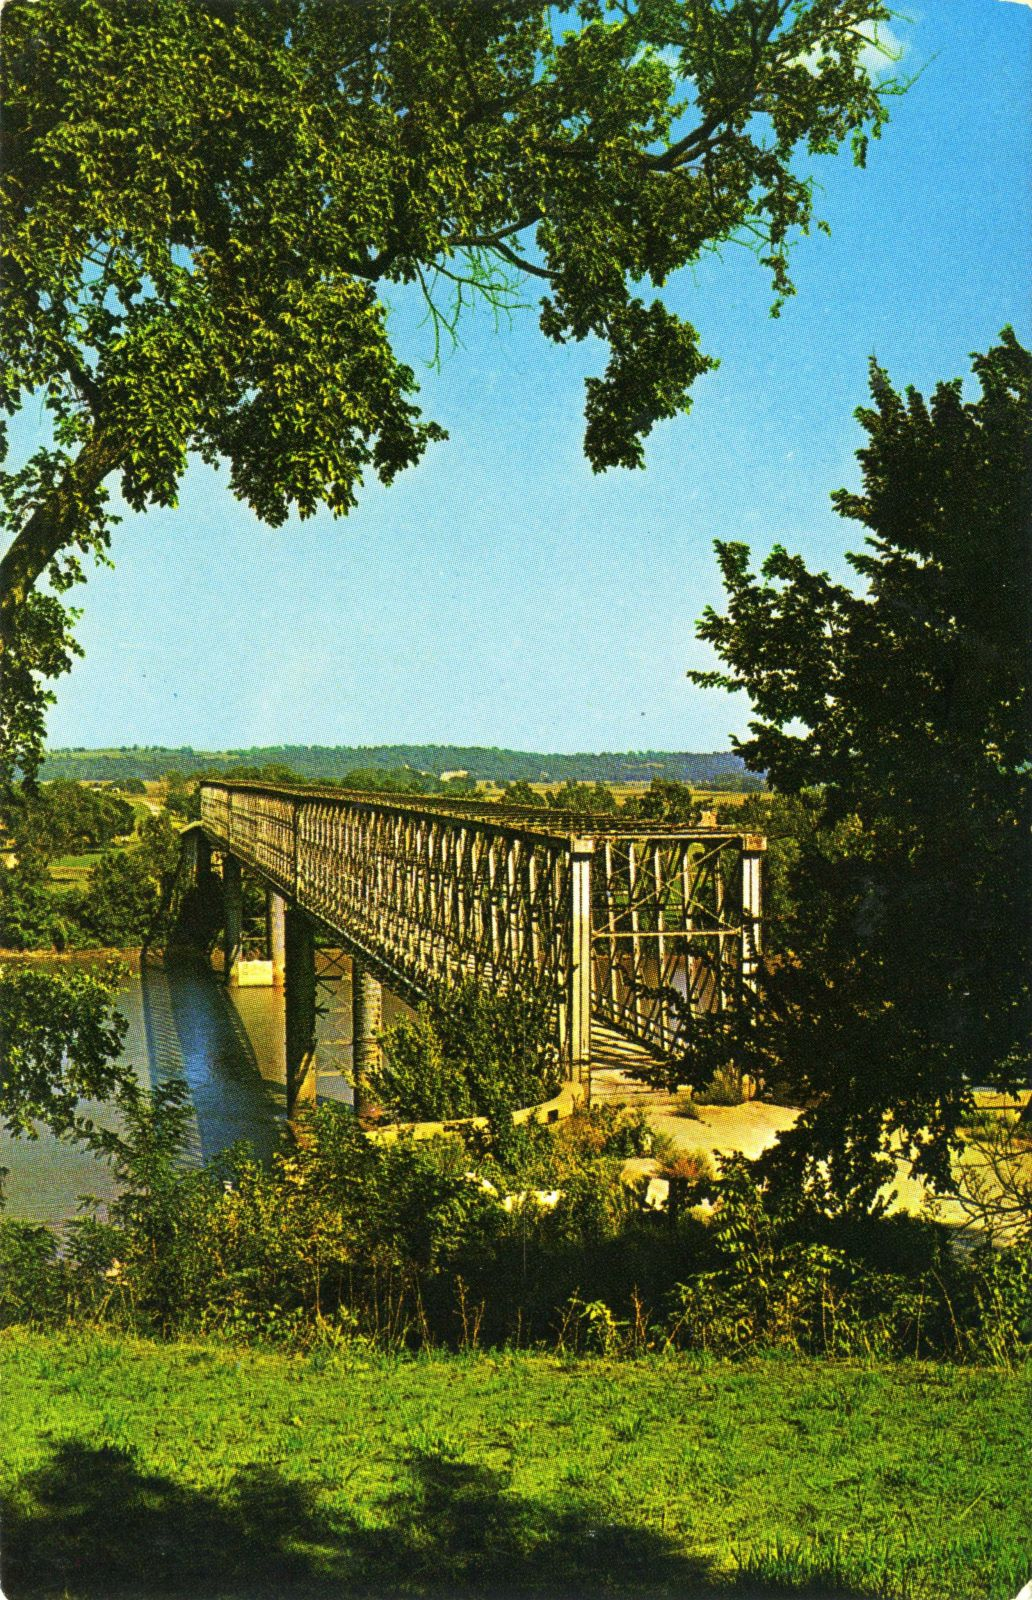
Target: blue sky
500, 593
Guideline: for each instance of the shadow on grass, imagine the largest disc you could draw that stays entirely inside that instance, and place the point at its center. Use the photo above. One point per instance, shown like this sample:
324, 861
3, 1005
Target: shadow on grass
90, 1525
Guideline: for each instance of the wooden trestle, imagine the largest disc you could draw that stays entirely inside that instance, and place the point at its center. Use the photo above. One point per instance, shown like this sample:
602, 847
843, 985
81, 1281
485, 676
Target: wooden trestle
639, 925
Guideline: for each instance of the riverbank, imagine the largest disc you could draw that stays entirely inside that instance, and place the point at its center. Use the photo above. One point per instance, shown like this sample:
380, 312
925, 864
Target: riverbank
77, 957
201, 1469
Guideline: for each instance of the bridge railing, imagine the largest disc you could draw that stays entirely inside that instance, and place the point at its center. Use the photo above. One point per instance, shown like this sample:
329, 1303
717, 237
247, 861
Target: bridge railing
640, 925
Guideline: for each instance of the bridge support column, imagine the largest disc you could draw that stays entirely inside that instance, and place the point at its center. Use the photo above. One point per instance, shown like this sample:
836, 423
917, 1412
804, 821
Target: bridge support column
299, 1005
232, 907
581, 850
752, 907
366, 1017
276, 932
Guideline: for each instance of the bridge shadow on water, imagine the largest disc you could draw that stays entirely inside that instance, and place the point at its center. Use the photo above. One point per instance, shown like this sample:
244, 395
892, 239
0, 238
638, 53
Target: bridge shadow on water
192, 1028
89, 1523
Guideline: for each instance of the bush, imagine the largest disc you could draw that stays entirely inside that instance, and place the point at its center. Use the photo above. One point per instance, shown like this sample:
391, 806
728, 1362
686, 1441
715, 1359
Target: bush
444, 1241
723, 1089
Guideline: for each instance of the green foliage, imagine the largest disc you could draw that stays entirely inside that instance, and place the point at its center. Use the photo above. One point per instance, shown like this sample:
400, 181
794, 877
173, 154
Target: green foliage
336, 764
899, 716
39, 647
120, 902
665, 800
589, 799
391, 780
65, 818
723, 1089
182, 799
519, 793
770, 1277
31, 915
31, 1289
538, 1239
466, 1052
59, 1041
159, 844
121, 896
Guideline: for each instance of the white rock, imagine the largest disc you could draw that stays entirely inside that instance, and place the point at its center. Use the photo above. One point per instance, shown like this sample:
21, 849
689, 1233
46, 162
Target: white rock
546, 1199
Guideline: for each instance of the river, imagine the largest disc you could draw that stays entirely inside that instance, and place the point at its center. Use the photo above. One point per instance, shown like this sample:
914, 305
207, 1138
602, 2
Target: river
227, 1044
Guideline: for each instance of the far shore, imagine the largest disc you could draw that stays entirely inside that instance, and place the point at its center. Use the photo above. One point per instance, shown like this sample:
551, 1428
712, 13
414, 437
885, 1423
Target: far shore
105, 953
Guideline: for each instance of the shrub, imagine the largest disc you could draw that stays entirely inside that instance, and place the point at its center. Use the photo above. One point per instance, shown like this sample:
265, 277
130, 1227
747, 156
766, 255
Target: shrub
723, 1089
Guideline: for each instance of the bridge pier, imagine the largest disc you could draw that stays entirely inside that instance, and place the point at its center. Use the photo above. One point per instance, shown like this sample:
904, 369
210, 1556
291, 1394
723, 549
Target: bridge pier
233, 914
276, 934
752, 907
366, 1018
299, 1006
582, 850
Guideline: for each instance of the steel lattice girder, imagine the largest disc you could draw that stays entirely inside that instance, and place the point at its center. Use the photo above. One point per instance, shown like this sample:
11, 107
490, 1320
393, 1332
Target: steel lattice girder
426, 892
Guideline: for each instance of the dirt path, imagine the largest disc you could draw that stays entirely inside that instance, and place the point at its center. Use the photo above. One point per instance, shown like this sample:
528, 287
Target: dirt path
748, 1129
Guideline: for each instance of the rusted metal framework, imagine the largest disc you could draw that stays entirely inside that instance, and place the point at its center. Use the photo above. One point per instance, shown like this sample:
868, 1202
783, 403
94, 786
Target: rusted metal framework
642, 925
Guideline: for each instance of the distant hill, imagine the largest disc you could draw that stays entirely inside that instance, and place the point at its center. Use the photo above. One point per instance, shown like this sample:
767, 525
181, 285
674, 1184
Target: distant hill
332, 762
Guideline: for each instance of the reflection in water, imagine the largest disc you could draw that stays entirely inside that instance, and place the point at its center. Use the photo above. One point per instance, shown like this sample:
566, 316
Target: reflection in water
227, 1044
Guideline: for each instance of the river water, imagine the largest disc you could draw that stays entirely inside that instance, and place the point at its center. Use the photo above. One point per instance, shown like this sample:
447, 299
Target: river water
229, 1046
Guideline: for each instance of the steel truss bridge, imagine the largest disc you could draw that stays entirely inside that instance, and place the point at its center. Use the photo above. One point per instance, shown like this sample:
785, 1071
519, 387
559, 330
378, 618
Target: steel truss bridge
638, 926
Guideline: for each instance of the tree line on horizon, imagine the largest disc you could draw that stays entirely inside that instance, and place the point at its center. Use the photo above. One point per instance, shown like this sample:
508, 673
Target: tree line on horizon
713, 769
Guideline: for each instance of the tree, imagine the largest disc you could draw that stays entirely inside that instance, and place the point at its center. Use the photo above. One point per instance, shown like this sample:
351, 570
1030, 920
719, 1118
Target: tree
64, 816
59, 1044
584, 797
203, 200
665, 800
519, 793
121, 900
905, 977
182, 799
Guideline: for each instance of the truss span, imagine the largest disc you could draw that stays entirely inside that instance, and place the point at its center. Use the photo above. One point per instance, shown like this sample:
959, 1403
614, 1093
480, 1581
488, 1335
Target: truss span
642, 926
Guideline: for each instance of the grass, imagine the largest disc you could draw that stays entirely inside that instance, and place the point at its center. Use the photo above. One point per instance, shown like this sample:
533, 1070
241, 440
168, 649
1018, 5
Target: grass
205, 1470
74, 869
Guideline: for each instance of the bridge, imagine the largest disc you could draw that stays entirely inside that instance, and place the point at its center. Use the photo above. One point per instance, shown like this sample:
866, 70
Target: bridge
625, 930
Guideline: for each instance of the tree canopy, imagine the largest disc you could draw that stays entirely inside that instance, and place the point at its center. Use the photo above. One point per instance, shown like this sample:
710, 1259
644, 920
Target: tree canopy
203, 202
904, 977
61, 1036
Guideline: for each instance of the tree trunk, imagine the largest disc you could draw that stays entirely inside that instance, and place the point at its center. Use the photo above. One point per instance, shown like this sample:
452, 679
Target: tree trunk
53, 526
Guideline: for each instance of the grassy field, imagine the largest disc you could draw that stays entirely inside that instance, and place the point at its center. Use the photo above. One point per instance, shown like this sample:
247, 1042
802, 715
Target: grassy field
191, 1469
73, 870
